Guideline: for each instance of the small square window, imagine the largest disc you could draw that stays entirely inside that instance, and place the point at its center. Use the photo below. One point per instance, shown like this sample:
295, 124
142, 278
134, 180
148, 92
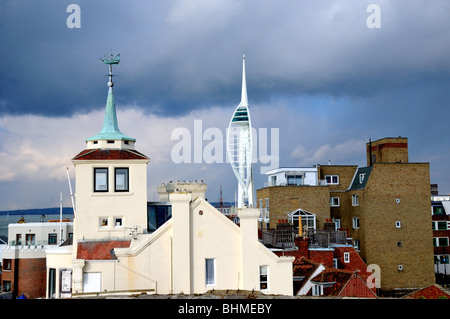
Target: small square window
118, 222
398, 224
6, 286
104, 222
334, 201
7, 264
52, 239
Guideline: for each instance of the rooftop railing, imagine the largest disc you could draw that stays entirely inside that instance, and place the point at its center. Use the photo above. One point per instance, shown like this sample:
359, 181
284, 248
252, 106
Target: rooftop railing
324, 238
285, 237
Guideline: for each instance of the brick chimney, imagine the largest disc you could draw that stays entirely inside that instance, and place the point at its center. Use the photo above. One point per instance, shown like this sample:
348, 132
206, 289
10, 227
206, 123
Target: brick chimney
302, 243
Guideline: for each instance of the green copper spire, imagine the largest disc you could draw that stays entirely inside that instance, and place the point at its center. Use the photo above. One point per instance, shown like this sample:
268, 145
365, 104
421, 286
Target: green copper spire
110, 130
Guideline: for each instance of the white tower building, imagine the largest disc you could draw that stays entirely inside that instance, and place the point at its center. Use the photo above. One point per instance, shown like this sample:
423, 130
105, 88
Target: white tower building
239, 147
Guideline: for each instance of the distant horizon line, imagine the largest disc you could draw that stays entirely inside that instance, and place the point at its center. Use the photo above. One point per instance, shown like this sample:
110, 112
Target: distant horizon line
36, 211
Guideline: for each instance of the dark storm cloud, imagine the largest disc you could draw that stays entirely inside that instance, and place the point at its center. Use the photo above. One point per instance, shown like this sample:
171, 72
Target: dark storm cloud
181, 55
314, 70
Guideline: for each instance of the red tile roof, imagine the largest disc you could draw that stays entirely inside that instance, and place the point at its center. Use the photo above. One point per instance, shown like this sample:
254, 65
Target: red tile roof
100, 250
343, 283
356, 262
434, 291
110, 154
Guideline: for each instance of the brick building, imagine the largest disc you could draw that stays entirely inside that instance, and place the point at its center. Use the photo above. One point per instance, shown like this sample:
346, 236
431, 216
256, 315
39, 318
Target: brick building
384, 207
24, 268
440, 205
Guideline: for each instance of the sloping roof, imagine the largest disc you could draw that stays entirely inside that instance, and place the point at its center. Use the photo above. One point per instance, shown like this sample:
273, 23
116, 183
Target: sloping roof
100, 250
336, 280
356, 262
434, 291
110, 154
303, 269
110, 130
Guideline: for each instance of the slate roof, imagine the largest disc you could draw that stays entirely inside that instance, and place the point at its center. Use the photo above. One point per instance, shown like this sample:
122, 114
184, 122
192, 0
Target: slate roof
110, 154
356, 184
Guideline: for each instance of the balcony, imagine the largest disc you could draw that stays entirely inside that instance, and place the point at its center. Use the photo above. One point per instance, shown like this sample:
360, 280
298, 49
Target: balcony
275, 183
325, 238
282, 237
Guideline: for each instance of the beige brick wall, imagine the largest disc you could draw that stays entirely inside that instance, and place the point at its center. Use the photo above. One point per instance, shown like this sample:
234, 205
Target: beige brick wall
378, 212
399, 192
389, 150
285, 199
345, 173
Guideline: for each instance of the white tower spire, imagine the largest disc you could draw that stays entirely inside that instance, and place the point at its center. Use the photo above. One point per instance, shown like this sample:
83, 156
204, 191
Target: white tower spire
244, 100
239, 147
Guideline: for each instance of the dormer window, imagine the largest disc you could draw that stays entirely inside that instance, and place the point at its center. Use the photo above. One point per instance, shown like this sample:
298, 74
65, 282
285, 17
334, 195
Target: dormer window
361, 177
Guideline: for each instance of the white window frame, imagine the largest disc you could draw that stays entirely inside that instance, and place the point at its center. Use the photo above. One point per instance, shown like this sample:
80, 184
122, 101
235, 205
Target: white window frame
436, 242
337, 222
115, 222
361, 177
273, 180
294, 180
355, 200
317, 290
208, 282
102, 220
335, 201
436, 224
357, 244
398, 224
266, 281
261, 209
346, 257
332, 179
355, 222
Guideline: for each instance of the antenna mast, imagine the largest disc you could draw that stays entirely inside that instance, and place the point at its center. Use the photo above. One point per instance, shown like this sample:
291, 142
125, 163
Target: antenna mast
71, 194
221, 200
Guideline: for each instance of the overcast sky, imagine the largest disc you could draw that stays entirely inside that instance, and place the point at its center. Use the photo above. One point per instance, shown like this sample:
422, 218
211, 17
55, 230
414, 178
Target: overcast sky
315, 72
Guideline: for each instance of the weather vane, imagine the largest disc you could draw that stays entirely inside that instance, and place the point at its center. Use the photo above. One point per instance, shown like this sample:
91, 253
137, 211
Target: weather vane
110, 63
